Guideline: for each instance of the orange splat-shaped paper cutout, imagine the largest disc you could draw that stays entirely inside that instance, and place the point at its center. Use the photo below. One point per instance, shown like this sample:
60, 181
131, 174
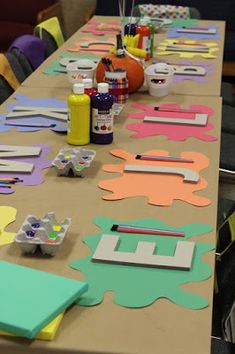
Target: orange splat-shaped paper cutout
161, 189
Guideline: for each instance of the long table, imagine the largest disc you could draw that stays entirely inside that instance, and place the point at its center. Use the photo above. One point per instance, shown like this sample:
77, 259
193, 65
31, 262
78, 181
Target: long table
108, 328
210, 88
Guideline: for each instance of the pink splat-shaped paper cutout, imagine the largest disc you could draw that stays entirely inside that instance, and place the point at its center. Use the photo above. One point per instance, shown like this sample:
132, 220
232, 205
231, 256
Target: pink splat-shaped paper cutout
160, 189
176, 132
93, 48
100, 29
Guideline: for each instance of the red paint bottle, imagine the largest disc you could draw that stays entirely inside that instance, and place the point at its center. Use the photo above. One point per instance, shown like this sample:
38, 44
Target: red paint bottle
145, 36
89, 89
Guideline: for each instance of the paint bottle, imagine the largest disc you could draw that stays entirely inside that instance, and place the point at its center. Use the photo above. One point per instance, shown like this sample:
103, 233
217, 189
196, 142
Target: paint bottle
145, 36
152, 29
102, 115
130, 27
89, 89
78, 116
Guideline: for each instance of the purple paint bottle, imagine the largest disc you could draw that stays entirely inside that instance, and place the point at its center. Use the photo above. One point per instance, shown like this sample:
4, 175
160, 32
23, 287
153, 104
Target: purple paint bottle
102, 115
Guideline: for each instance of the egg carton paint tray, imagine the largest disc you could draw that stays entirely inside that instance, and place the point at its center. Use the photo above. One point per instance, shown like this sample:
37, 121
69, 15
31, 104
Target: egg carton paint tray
73, 161
46, 233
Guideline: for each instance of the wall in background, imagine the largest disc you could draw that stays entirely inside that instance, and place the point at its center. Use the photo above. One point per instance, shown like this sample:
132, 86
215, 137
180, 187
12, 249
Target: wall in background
75, 13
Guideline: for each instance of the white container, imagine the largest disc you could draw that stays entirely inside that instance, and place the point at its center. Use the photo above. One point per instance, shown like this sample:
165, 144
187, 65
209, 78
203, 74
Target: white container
42, 229
159, 78
81, 69
73, 161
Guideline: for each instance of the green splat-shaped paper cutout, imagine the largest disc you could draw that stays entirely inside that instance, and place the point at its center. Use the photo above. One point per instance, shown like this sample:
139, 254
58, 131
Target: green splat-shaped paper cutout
55, 65
135, 286
180, 23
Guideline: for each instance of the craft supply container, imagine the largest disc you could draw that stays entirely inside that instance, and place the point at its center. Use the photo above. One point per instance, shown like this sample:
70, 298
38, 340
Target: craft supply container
118, 85
45, 233
81, 69
159, 79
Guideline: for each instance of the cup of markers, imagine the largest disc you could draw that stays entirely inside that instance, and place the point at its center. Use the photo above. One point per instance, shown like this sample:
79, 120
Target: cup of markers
117, 81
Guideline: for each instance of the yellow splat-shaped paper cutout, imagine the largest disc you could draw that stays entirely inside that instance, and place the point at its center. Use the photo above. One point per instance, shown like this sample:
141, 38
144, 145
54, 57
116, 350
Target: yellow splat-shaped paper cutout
8, 215
213, 47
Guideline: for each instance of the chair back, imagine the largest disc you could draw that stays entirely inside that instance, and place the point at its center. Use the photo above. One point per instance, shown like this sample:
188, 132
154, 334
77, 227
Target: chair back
225, 277
32, 48
8, 80
50, 32
16, 67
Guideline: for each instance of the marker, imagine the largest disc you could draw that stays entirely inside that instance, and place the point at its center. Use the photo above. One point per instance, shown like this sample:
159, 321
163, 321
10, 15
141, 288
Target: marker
93, 50
9, 180
60, 71
162, 158
175, 110
191, 44
145, 230
196, 28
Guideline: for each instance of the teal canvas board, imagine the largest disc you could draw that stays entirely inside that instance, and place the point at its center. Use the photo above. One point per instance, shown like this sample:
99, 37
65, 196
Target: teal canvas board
30, 299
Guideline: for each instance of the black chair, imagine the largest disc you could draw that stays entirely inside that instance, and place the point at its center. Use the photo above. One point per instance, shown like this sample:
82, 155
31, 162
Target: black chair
51, 45
51, 33
224, 295
5, 90
23, 60
227, 93
16, 67
8, 80
219, 346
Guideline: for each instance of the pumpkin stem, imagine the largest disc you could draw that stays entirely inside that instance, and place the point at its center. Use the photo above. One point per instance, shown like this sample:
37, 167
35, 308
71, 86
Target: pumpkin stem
120, 50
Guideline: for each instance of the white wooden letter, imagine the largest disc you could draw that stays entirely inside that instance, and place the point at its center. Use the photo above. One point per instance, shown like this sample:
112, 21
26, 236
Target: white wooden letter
189, 175
200, 120
106, 251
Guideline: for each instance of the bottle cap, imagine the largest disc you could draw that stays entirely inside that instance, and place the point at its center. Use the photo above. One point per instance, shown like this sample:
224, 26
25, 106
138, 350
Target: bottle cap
78, 88
132, 20
87, 83
144, 21
103, 87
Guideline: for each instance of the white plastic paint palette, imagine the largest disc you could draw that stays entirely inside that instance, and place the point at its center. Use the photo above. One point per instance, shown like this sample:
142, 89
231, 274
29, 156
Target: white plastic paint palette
73, 161
46, 233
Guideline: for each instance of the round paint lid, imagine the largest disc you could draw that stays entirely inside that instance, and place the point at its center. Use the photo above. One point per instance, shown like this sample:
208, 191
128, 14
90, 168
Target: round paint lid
103, 87
87, 83
78, 88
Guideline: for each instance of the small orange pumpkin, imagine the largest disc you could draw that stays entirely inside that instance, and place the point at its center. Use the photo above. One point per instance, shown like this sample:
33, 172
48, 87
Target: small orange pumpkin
134, 71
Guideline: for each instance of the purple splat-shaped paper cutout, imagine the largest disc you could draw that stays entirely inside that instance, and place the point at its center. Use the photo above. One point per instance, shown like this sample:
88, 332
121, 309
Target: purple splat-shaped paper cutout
209, 72
172, 33
33, 178
22, 100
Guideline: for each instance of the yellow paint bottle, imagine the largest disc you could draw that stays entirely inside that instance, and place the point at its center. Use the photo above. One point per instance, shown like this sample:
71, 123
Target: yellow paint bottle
78, 116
